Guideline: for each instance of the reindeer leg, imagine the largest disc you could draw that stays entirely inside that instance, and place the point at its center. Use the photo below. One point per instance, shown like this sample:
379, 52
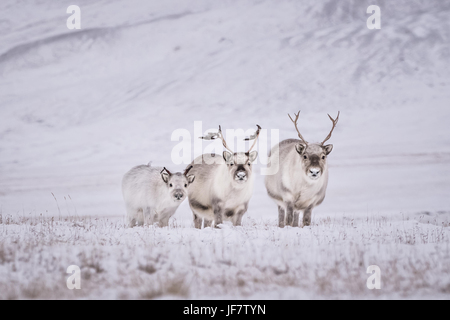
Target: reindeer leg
132, 214
155, 216
218, 212
289, 214
239, 216
140, 218
197, 221
307, 216
147, 213
207, 223
218, 219
296, 214
164, 218
280, 217
131, 222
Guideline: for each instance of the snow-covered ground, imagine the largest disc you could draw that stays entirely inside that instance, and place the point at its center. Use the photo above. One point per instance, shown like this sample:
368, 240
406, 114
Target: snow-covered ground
80, 108
255, 261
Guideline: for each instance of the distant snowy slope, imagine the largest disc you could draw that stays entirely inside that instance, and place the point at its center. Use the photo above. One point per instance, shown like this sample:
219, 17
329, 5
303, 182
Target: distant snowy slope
79, 108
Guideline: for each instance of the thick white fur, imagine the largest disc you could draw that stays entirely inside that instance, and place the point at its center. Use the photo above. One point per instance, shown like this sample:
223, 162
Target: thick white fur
148, 198
291, 188
215, 188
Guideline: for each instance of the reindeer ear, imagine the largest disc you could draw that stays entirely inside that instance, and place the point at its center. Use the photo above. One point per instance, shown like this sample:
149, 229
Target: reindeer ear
165, 177
300, 148
190, 178
227, 156
328, 148
252, 156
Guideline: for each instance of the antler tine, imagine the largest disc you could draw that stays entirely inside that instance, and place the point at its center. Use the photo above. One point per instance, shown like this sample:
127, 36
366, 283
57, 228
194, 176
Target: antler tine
335, 121
256, 136
164, 169
214, 136
224, 143
296, 128
187, 170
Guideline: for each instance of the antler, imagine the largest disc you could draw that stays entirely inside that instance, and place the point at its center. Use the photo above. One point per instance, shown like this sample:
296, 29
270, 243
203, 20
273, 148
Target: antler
295, 123
335, 121
219, 135
164, 169
187, 170
214, 136
223, 140
253, 137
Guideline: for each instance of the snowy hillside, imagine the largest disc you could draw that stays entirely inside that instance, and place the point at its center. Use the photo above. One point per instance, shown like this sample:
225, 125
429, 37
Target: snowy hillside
78, 108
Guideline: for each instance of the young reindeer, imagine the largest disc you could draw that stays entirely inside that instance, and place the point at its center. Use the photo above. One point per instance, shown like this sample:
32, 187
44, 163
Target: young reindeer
223, 185
301, 181
152, 195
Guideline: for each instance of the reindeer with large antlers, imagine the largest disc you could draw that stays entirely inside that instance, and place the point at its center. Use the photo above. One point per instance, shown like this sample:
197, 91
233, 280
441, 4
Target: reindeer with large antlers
152, 195
223, 185
301, 181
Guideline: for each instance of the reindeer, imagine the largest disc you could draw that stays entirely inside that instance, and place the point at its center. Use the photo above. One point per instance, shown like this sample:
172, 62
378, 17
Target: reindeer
301, 181
152, 195
223, 185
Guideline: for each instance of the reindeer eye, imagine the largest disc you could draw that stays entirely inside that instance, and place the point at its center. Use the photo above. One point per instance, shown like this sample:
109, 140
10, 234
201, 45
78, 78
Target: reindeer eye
249, 163
185, 185
305, 157
231, 164
171, 185
323, 157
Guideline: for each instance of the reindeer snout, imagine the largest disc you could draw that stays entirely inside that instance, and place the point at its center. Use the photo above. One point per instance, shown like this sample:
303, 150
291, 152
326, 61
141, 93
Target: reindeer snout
314, 172
241, 175
178, 195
